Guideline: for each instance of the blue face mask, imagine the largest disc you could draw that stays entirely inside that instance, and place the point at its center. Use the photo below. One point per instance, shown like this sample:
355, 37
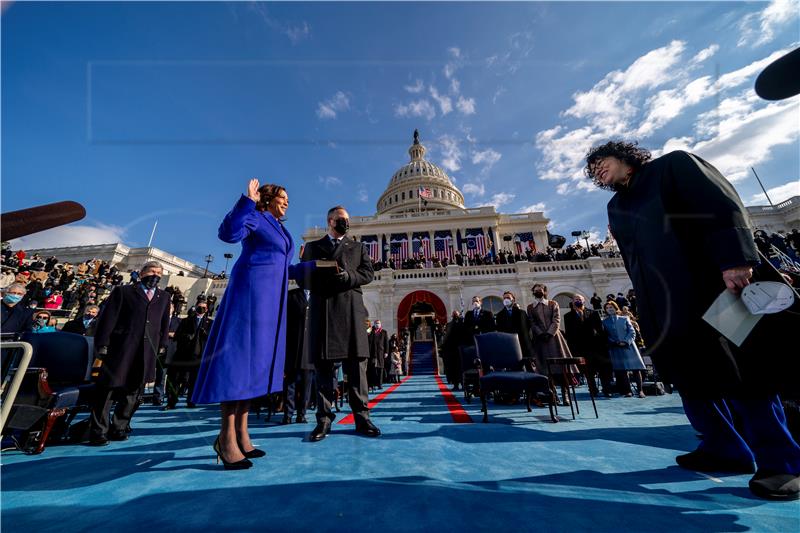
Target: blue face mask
12, 299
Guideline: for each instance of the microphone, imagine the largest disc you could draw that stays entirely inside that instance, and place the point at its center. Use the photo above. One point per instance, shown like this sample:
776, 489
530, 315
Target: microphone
35, 219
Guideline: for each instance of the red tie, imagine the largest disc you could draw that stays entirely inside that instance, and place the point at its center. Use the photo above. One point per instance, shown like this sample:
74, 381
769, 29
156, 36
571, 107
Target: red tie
150, 294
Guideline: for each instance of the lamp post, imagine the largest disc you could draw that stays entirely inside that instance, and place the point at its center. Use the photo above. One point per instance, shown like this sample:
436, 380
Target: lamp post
227, 257
209, 258
585, 236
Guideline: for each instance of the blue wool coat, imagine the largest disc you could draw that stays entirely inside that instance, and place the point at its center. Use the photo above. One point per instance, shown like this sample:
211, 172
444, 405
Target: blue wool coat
246, 347
619, 329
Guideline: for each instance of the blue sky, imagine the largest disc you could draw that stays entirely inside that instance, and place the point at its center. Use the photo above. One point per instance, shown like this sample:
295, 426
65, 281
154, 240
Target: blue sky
145, 111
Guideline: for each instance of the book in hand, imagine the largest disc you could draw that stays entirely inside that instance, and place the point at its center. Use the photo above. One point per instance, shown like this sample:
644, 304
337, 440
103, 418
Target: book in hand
320, 263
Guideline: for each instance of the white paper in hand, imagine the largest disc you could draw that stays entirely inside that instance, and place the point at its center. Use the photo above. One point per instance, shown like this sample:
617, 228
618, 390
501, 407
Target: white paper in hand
767, 297
730, 316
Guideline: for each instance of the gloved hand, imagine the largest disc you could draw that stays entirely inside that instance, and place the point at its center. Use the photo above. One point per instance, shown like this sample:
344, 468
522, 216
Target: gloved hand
101, 351
343, 277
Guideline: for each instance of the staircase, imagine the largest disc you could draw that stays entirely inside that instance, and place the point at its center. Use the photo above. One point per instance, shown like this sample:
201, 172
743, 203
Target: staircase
422, 358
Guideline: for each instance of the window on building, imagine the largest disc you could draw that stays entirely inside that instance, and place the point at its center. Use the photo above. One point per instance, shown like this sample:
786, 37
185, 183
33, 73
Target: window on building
411, 194
403, 195
395, 198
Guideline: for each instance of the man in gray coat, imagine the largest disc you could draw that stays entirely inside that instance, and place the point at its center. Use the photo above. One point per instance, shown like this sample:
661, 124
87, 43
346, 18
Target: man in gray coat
336, 318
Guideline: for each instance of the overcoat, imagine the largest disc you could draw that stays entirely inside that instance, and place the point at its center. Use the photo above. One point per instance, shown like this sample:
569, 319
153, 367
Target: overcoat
246, 346
546, 318
378, 347
336, 309
133, 329
619, 329
190, 338
585, 335
679, 223
297, 356
471, 326
517, 322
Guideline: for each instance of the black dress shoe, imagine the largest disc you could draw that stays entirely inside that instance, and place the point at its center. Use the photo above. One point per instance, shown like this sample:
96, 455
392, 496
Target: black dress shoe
320, 431
191, 405
168, 407
701, 461
301, 419
98, 441
368, 429
118, 435
775, 486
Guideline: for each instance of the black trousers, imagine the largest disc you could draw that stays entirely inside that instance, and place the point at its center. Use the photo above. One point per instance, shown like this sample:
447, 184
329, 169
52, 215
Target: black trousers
177, 377
297, 380
127, 402
358, 397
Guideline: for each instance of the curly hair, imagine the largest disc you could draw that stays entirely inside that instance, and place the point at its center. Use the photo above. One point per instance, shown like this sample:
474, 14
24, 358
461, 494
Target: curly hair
628, 152
268, 191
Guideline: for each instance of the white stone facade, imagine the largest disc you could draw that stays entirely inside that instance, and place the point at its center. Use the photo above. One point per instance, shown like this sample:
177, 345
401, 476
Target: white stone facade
783, 216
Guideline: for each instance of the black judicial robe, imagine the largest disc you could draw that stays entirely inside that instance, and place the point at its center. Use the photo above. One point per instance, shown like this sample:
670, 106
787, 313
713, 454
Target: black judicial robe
679, 224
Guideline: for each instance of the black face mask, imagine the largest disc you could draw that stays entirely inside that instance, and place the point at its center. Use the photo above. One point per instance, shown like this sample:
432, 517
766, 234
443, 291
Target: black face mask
538, 294
578, 304
151, 281
342, 226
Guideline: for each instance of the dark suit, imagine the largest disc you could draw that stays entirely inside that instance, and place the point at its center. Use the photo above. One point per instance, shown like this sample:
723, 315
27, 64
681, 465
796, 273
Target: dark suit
17, 318
190, 338
516, 321
484, 323
378, 350
76, 326
133, 329
297, 370
586, 338
336, 323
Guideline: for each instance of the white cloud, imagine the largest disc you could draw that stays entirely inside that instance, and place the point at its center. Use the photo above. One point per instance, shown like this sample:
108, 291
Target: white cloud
455, 86
454, 51
445, 104
295, 32
759, 28
71, 235
329, 108
417, 88
475, 189
740, 131
418, 108
500, 199
330, 181
705, 53
362, 194
486, 157
451, 153
466, 105
777, 194
534, 208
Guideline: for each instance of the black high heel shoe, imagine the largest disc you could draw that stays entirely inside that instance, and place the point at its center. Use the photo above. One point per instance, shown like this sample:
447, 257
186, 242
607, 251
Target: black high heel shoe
244, 464
255, 453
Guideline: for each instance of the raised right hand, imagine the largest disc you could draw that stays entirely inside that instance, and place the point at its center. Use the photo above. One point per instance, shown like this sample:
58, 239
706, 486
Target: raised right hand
252, 190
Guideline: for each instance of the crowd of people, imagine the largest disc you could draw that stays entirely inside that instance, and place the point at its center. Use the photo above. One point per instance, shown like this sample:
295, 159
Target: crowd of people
570, 252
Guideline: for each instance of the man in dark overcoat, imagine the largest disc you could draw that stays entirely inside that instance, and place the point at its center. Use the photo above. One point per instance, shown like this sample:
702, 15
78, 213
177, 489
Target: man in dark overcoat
378, 350
684, 237
512, 319
336, 322
298, 368
450, 354
476, 321
190, 340
132, 329
586, 338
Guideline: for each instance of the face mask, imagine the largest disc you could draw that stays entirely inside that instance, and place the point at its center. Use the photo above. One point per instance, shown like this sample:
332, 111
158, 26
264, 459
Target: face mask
476, 305
201, 312
342, 226
611, 312
507, 302
378, 325
41, 321
539, 294
12, 298
47, 292
87, 318
578, 304
151, 281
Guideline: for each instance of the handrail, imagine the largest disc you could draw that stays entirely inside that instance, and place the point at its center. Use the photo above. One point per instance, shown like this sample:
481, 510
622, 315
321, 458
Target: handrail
16, 381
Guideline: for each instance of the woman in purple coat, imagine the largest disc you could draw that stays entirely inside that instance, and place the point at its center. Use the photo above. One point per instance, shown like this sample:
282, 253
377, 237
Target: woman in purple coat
244, 354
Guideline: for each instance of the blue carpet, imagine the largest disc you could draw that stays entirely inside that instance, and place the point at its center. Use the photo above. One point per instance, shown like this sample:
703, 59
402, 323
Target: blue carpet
519, 472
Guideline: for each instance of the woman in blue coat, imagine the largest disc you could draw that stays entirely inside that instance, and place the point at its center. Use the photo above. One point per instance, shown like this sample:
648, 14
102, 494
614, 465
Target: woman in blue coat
245, 351
622, 349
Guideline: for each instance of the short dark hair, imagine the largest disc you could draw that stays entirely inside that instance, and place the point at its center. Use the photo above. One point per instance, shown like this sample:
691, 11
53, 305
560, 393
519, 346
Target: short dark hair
628, 152
542, 285
332, 211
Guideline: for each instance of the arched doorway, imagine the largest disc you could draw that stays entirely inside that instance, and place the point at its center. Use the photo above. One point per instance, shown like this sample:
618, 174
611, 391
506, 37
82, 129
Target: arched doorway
418, 311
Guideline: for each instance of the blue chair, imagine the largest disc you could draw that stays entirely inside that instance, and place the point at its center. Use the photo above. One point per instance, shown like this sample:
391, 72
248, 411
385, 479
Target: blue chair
56, 385
502, 370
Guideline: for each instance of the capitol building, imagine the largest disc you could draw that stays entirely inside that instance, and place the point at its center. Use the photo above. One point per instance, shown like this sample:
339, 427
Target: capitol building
422, 214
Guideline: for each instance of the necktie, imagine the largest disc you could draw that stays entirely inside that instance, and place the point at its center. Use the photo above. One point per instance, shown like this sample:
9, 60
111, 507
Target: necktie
150, 294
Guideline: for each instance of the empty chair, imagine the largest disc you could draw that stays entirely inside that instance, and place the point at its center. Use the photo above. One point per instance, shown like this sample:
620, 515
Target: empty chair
469, 371
501, 369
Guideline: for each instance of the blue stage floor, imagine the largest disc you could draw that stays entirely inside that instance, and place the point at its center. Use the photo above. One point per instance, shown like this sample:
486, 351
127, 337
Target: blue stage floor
519, 472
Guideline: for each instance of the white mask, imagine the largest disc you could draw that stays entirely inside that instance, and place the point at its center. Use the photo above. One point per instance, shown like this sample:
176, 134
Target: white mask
476, 305
508, 302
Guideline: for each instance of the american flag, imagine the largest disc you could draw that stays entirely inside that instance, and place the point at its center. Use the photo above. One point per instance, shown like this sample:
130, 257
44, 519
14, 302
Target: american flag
425, 192
373, 247
399, 250
426, 247
441, 246
525, 242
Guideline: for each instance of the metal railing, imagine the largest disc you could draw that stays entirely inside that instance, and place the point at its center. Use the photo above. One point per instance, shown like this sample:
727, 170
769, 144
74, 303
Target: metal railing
15, 379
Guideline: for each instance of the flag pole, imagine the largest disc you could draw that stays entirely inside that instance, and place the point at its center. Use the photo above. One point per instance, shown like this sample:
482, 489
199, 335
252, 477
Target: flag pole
762, 186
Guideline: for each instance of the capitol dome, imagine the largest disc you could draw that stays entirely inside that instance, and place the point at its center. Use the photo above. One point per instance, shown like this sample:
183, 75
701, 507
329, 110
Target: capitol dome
402, 194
